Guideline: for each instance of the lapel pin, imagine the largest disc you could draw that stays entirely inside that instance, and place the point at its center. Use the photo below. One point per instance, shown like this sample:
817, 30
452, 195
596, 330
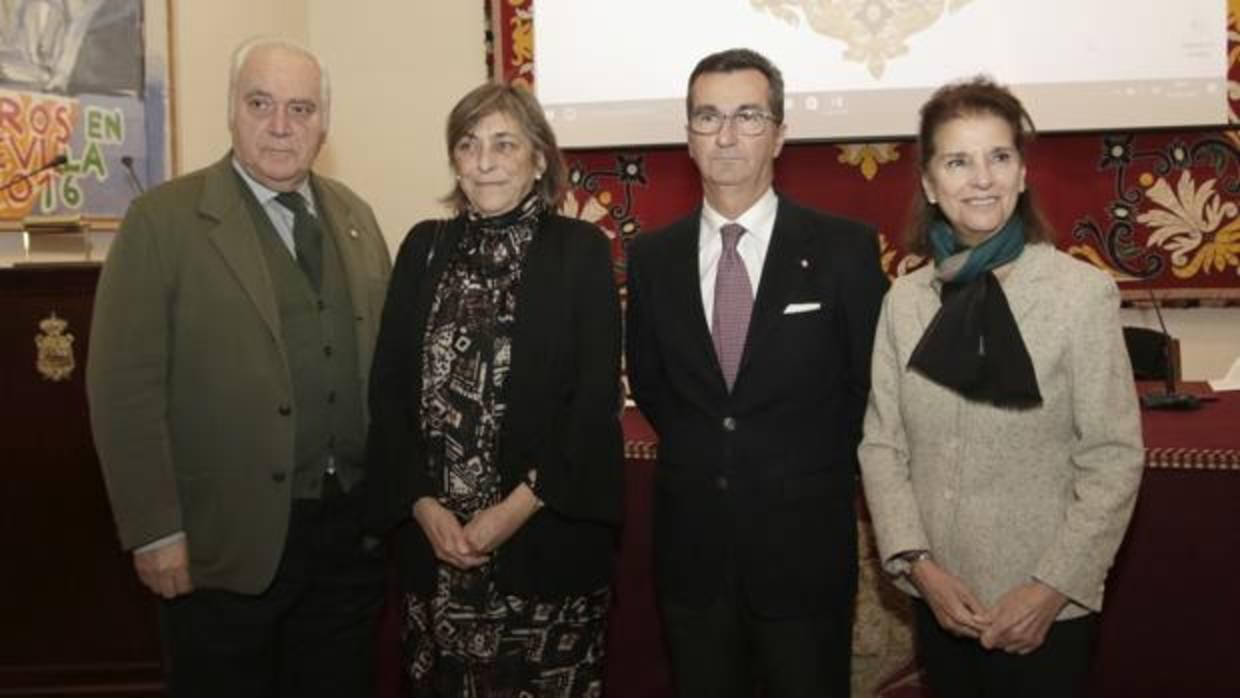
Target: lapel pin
353, 233
805, 264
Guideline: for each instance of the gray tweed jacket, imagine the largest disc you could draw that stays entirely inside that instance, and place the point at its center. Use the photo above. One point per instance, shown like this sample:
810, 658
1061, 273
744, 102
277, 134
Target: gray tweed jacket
1001, 495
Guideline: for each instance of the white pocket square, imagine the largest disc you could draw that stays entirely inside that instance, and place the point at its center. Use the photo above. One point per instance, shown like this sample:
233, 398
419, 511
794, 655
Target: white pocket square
794, 308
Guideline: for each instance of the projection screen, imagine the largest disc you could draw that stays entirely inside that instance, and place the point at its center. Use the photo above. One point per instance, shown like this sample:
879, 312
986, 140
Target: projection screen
614, 73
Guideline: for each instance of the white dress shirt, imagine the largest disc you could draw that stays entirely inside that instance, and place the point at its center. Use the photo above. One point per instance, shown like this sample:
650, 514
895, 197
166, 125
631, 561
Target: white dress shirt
280, 217
758, 222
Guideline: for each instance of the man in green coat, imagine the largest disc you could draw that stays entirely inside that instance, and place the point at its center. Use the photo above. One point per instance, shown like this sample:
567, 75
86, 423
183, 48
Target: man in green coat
234, 324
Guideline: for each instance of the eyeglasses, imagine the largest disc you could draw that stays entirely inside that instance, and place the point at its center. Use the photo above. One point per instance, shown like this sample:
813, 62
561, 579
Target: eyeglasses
749, 121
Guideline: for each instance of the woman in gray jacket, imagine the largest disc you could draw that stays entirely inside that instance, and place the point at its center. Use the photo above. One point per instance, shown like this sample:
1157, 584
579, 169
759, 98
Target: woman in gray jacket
1002, 449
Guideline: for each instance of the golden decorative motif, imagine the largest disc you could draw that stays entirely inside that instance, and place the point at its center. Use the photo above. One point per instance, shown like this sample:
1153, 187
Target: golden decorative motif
910, 263
1217, 255
894, 263
593, 209
875, 30
1195, 224
868, 156
1089, 254
1233, 57
522, 41
887, 254
55, 361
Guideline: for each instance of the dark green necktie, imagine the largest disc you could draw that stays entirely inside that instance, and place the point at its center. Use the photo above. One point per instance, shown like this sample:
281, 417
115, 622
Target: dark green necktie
307, 236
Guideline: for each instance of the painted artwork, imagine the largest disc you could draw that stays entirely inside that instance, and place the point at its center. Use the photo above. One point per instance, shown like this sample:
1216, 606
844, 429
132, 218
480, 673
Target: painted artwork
86, 80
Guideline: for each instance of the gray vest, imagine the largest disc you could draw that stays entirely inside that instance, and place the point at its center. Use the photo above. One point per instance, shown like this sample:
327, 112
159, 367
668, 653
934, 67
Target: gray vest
320, 341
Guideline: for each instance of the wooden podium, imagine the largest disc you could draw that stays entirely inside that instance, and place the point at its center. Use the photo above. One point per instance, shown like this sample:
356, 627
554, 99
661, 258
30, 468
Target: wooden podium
76, 621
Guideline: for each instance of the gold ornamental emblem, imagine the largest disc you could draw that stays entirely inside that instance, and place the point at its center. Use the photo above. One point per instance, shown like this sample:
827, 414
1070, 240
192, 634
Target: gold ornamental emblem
55, 346
874, 30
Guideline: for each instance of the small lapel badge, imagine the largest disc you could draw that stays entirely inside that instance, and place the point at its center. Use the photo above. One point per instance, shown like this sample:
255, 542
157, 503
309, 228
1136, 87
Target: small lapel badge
353, 233
805, 264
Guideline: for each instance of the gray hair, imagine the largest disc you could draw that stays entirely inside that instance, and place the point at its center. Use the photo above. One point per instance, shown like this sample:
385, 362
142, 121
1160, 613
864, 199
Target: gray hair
243, 51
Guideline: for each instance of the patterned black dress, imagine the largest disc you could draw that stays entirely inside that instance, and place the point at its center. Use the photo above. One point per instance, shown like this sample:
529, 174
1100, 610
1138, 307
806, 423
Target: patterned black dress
469, 639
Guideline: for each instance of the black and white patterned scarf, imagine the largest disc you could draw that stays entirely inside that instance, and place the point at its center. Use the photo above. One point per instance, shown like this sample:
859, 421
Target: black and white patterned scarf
467, 352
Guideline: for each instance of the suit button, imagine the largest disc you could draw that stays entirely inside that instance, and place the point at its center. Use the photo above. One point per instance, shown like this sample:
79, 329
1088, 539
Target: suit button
278, 476
729, 424
721, 482
284, 410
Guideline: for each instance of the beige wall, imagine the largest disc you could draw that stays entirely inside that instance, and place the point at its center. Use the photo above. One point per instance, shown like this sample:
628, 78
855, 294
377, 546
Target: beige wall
397, 70
397, 67
1209, 337
203, 37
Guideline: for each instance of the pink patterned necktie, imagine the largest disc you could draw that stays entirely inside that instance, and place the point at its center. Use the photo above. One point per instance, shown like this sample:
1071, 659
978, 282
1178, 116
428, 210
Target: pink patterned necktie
733, 304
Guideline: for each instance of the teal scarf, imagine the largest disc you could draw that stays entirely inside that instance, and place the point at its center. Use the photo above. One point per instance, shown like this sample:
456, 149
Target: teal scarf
973, 346
956, 263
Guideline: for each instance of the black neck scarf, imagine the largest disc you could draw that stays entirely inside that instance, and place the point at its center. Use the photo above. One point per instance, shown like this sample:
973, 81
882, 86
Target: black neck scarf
973, 346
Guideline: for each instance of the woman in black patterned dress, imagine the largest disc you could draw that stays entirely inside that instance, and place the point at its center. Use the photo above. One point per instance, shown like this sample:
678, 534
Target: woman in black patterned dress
495, 444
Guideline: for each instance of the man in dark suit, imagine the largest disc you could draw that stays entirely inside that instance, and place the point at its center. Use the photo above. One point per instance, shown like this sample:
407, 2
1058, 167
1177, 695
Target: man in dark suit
750, 326
234, 325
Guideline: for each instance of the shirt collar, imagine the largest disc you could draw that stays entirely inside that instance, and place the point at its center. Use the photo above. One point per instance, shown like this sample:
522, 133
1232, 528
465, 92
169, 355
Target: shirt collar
758, 219
267, 195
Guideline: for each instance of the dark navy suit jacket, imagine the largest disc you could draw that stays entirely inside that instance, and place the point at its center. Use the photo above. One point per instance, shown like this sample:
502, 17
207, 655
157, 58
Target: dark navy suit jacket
763, 477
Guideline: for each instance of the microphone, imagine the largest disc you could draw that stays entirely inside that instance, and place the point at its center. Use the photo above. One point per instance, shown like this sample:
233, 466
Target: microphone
134, 182
54, 162
1169, 399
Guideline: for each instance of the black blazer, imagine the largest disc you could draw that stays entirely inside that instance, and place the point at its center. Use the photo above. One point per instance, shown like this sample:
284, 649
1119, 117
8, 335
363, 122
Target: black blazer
765, 475
563, 409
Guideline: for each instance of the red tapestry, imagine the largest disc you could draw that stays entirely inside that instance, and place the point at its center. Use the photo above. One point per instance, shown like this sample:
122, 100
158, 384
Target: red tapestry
1159, 210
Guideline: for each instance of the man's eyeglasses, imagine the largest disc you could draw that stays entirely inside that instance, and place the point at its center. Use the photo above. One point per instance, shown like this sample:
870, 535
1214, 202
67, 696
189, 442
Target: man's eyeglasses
749, 121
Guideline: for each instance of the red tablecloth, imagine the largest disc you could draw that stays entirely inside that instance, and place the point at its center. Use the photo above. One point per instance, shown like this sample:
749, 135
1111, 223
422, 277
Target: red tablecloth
1205, 438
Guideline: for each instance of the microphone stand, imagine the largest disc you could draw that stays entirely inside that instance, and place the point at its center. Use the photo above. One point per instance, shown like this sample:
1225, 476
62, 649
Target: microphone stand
23, 176
1169, 399
134, 182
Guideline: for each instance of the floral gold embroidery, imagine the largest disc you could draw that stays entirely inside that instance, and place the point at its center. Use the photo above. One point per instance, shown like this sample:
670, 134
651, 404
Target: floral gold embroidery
874, 30
887, 254
593, 208
1188, 216
1233, 58
868, 156
522, 41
